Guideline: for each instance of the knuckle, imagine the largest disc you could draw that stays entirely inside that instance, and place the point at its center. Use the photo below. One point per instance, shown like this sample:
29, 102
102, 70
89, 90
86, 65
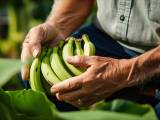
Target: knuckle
96, 58
77, 59
33, 29
81, 59
36, 29
69, 85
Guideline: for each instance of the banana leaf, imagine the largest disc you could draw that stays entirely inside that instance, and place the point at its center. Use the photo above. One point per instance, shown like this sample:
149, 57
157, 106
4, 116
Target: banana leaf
27, 105
8, 68
31, 105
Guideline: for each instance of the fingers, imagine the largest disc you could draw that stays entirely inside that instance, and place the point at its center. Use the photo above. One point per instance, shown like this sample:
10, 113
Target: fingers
81, 61
71, 96
28, 51
67, 85
31, 47
25, 71
25, 58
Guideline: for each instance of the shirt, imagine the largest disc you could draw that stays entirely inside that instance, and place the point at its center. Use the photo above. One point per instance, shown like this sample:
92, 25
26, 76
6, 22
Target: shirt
135, 24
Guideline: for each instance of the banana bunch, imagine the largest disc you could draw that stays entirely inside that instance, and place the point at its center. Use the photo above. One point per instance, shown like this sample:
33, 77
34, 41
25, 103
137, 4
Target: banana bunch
51, 67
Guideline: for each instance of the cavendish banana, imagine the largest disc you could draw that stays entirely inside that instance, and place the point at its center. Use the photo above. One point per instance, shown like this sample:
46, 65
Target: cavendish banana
35, 80
58, 66
47, 71
78, 48
51, 67
68, 51
45, 85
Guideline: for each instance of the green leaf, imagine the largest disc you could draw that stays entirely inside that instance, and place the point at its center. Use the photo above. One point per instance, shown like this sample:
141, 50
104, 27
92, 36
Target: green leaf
32, 105
29, 105
5, 112
115, 110
97, 115
8, 68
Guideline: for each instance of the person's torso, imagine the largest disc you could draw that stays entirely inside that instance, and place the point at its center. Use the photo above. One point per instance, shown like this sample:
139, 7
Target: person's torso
133, 23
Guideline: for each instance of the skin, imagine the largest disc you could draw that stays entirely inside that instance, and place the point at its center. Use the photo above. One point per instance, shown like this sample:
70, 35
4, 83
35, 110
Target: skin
104, 76
64, 19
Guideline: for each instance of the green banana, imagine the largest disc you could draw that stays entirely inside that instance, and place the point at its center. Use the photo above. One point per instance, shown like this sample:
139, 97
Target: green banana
89, 48
68, 51
61, 43
45, 85
47, 71
78, 49
58, 66
35, 80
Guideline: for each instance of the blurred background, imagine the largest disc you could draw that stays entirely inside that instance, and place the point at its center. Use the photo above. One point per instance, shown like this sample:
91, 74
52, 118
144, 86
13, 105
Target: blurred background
16, 17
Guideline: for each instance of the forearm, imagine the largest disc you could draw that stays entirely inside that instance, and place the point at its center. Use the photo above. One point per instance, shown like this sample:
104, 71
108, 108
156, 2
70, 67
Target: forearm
68, 15
145, 67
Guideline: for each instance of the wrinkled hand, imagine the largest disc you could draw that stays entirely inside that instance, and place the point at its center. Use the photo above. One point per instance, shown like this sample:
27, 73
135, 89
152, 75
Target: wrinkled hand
103, 77
32, 44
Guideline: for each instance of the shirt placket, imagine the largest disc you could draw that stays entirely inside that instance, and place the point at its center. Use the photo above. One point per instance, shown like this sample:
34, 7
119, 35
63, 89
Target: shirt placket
123, 15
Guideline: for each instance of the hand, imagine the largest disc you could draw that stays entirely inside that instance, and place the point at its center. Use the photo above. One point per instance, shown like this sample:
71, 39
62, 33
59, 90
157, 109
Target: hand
103, 77
32, 44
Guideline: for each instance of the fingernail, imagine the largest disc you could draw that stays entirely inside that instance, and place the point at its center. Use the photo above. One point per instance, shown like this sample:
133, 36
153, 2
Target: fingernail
25, 72
35, 52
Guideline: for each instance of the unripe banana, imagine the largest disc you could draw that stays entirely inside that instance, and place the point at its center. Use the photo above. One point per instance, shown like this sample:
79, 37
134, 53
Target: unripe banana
68, 51
47, 71
46, 85
89, 48
78, 49
61, 43
35, 80
57, 65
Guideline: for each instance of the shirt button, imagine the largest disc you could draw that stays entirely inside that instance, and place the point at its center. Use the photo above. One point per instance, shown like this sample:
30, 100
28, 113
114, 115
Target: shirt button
122, 17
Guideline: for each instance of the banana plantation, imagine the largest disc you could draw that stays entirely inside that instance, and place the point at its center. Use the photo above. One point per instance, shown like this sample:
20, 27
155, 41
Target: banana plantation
31, 99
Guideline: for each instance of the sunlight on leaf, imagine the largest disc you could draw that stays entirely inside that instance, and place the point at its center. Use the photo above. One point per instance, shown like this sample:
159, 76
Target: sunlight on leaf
8, 68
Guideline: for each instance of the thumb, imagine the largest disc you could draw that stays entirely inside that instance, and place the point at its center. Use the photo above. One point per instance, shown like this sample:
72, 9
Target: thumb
79, 61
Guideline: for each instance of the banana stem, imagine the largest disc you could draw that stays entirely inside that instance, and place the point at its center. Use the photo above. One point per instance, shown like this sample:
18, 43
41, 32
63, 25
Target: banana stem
49, 51
71, 40
85, 37
61, 43
55, 49
43, 53
78, 43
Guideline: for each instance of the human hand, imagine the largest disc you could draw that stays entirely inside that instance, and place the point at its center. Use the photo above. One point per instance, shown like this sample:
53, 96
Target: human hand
103, 77
32, 44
